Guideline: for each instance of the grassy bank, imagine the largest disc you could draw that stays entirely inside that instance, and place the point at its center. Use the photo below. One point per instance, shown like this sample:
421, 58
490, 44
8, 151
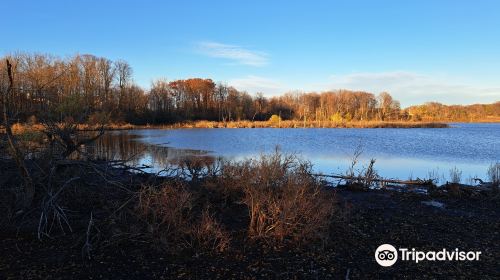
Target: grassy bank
19, 128
313, 124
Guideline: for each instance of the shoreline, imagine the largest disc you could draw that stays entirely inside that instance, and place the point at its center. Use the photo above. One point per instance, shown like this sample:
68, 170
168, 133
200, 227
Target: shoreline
300, 124
19, 128
115, 239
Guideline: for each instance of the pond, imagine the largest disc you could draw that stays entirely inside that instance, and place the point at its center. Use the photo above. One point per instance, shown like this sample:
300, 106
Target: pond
399, 153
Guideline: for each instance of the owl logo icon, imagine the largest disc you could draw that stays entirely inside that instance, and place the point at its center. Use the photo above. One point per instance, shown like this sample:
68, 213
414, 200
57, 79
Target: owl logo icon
386, 255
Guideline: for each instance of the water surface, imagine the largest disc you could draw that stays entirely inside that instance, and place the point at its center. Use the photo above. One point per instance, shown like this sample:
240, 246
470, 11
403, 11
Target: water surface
399, 153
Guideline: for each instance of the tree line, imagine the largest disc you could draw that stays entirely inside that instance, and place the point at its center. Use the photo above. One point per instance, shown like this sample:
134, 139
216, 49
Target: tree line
433, 111
87, 88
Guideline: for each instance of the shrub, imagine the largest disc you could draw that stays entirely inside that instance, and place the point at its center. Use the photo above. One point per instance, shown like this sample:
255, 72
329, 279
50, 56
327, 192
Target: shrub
195, 166
455, 175
494, 173
284, 201
274, 119
494, 177
336, 118
208, 234
361, 180
168, 212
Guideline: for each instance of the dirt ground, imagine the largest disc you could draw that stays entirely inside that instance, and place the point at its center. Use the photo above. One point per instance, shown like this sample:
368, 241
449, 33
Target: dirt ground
369, 220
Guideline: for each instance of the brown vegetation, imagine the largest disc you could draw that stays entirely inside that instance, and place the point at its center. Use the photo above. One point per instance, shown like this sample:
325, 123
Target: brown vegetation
36, 131
169, 212
285, 202
312, 124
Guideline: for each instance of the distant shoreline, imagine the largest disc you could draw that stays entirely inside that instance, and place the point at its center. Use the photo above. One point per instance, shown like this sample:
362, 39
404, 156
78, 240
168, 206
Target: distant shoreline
19, 128
301, 124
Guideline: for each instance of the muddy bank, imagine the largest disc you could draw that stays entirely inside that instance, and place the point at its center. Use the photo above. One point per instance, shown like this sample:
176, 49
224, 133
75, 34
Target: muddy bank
373, 218
106, 241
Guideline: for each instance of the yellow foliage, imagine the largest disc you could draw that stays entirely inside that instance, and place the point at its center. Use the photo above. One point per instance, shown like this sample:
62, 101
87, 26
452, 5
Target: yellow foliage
336, 118
274, 119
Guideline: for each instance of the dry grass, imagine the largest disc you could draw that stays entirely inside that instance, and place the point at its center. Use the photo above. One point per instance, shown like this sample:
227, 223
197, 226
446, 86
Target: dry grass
311, 124
453, 187
494, 173
19, 128
22, 128
455, 175
494, 177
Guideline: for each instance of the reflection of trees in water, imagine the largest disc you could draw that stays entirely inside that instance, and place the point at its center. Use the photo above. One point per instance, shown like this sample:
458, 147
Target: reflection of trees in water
126, 146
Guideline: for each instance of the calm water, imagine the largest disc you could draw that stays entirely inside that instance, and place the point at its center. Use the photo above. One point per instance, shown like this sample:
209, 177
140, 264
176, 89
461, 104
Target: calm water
399, 153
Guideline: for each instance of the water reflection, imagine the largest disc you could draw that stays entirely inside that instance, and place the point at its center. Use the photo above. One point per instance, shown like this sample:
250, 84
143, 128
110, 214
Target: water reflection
125, 145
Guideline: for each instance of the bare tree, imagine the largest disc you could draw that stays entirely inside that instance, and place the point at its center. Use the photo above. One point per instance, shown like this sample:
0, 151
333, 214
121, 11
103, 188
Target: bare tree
124, 72
28, 189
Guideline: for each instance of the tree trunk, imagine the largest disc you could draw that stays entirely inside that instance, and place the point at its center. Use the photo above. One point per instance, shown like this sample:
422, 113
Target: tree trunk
28, 189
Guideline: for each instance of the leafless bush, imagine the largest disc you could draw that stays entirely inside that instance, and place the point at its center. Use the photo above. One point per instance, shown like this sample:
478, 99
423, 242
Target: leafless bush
494, 173
196, 167
360, 179
351, 171
209, 235
229, 182
170, 217
369, 174
494, 177
165, 209
434, 176
455, 175
285, 202
52, 213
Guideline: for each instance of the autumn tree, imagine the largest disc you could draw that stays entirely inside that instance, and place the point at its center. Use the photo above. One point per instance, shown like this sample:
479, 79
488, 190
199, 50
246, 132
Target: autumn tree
88, 88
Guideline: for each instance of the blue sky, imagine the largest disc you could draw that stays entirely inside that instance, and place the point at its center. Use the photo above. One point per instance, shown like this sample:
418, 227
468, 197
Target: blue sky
446, 51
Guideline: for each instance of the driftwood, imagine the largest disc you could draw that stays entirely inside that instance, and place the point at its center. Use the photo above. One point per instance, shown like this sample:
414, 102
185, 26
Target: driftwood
482, 187
380, 180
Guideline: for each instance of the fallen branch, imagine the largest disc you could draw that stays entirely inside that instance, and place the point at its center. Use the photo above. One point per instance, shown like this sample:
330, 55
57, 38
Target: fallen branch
380, 180
483, 187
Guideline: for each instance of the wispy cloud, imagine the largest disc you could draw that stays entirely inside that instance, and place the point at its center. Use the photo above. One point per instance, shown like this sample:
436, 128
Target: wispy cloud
234, 53
253, 84
413, 88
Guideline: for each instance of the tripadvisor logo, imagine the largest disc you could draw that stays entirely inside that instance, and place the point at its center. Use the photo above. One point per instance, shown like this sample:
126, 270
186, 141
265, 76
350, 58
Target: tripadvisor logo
387, 255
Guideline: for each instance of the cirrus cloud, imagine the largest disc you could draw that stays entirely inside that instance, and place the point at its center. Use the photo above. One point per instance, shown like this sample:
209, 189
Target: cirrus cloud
234, 53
